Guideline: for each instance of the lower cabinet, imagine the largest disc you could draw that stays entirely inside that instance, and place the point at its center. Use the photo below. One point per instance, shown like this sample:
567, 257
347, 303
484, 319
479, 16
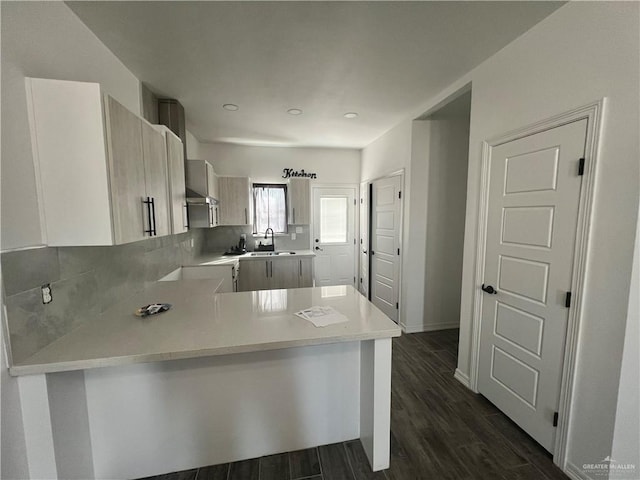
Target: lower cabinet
227, 273
275, 273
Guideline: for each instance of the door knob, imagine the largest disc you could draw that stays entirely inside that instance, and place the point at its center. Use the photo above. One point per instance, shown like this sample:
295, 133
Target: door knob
318, 248
317, 240
489, 289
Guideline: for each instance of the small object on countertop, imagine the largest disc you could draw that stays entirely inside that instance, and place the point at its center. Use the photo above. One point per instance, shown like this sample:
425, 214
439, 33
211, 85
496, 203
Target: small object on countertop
152, 309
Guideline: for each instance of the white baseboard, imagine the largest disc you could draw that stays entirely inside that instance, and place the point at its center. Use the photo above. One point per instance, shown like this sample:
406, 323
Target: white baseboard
575, 473
463, 378
429, 328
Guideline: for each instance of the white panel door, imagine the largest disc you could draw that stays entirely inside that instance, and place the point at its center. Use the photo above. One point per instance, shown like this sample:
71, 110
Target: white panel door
334, 240
533, 211
385, 245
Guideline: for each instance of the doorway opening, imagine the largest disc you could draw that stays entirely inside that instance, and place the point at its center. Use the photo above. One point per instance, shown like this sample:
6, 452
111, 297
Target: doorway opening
446, 191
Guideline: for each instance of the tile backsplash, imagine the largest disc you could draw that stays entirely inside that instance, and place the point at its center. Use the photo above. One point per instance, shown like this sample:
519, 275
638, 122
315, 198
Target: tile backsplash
222, 238
84, 281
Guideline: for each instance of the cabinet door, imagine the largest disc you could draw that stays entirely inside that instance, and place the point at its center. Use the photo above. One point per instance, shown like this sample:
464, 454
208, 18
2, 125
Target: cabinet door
305, 269
234, 205
154, 152
177, 191
284, 273
212, 181
254, 275
299, 201
126, 173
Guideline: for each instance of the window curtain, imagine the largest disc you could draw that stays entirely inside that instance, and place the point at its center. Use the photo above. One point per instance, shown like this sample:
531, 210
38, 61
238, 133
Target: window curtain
270, 209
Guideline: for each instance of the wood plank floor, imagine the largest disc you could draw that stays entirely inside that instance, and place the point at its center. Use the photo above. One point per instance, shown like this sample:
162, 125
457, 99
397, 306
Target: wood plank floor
439, 430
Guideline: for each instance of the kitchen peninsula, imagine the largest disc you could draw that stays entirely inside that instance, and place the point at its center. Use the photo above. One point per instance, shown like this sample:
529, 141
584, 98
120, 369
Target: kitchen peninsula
220, 377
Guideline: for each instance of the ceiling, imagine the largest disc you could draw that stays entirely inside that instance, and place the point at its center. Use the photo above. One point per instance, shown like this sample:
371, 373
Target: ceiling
379, 59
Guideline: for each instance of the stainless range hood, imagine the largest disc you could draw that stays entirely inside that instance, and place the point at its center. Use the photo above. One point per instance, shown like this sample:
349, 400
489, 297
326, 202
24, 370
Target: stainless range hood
203, 212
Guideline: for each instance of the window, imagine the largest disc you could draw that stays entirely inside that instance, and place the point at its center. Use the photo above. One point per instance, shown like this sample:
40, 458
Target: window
269, 207
333, 219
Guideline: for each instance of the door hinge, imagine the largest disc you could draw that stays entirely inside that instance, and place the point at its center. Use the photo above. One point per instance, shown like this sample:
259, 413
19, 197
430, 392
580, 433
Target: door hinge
581, 167
354, 241
400, 194
397, 306
360, 279
398, 251
354, 201
354, 279
362, 200
555, 419
567, 300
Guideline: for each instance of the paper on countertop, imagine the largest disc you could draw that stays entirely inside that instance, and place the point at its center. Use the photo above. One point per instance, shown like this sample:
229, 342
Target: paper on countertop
322, 316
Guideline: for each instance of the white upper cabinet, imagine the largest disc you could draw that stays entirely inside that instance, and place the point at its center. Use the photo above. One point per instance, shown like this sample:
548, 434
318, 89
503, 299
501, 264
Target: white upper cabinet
299, 192
100, 170
235, 200
177, 189
202, 179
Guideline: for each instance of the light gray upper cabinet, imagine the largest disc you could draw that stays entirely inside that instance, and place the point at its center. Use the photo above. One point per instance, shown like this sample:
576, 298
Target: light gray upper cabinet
95, 167
235, 200
126, 173
299, 192
154, 153
201, 178
203, 214
177, 189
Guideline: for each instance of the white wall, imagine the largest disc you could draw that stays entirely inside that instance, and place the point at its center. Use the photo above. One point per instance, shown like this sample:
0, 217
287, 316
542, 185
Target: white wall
265, 164
193, 147
387, 154
626, 437
581, 53
13, 452
44, 39
446, 190
415, 226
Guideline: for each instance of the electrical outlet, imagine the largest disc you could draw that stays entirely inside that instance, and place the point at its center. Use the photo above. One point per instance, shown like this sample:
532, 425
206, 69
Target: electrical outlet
293, 236
298, 229
192, 242
46, 294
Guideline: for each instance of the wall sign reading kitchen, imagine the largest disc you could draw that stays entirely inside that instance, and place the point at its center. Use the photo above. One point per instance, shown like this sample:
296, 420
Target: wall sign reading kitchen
291, 173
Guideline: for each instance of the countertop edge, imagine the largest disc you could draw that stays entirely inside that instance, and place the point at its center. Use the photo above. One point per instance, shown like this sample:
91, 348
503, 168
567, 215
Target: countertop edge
86, 364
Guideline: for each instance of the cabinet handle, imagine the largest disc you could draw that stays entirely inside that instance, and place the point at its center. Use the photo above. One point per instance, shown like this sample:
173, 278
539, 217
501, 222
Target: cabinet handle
266, 267
271, 268
185, 216
294, 215
210, 216
300, 270
147, 202
153, 211
216, 217
246, 217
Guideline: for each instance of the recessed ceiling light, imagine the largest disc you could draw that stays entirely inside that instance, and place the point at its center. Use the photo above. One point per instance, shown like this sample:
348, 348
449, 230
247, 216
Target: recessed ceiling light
230, 106
350, 115
294, 111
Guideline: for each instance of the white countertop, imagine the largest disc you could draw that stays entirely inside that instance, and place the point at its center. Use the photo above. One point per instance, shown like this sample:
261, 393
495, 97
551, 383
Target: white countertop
203, 323
219, 258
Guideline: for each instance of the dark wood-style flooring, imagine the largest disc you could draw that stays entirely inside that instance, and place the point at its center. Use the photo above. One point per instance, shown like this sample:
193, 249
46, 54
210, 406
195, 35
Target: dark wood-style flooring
439, 430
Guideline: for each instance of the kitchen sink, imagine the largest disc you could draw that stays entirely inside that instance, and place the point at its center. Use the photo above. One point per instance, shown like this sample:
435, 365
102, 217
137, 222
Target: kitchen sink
268, 254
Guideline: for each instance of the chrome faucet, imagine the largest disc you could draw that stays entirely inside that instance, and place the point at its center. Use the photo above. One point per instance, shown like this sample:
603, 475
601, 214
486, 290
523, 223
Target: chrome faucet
273, 240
